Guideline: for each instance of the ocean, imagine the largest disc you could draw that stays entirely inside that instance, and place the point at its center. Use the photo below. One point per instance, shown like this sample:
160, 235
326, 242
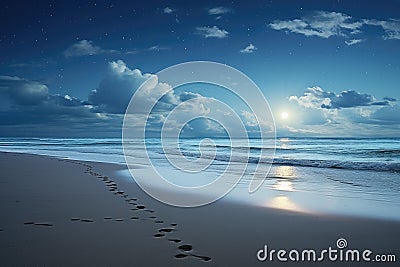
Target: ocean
317, 175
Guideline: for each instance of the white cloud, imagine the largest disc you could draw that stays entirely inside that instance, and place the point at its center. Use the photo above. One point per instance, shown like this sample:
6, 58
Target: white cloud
84, 48
156, 48
116, 89
354, 41
389, 115
220, 10
248, 49
316, 97
168, 10
326, 24
22, 91
249, 118
24, 102
348, 113
391, 27
322, 24
121, 83
211, 32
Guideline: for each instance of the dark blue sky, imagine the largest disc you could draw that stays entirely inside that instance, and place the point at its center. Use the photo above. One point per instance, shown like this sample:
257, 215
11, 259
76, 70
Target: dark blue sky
333, 66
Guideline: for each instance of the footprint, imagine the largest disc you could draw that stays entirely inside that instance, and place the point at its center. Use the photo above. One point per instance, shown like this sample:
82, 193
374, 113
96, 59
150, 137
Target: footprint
133, 199
180, 256
44, 224
107, 218
159, 221
152, 217
175, 240
204, 258
27, 223
166, 230
159, 235
174, 224
75, 219
151, 211
119, 220
87, 220
134, 218
186, 248
140, 207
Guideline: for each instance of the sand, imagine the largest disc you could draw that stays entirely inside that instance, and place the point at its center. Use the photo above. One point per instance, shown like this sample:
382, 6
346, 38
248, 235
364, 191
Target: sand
59, 212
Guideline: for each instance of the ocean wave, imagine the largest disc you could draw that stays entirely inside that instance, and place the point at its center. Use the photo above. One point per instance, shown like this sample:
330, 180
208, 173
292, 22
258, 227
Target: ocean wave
384, 152
254, 148
334, 164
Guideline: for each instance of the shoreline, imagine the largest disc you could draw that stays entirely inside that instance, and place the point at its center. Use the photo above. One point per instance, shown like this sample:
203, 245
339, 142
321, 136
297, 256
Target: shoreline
65, 207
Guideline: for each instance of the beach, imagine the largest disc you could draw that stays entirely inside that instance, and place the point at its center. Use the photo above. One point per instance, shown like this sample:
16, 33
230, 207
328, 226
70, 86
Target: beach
192, 133
61, 212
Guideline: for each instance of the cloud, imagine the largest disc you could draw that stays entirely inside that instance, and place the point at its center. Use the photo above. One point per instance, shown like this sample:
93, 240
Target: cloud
185, 96
391, 27
84, 48
326, 24
29, 105
351, 99
21, 91
355, 114
348, 113
389, 115
354, 41
248, 49
28, 108
154, 48
391, 99
220, 10
168, 10
211, 32
322, 24
116, 89
316, 97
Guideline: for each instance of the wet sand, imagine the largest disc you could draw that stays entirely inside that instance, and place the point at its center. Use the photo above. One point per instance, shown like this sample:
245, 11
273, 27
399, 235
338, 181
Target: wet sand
59, 212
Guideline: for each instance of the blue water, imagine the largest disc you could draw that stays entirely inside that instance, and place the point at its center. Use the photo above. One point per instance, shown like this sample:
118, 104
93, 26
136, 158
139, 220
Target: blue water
334, 175
353, 154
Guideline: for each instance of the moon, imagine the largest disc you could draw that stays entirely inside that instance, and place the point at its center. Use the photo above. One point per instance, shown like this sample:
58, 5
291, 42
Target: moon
284, 115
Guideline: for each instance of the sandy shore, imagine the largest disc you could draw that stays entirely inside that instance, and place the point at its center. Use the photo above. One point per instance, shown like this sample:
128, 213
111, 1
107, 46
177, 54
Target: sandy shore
57, 212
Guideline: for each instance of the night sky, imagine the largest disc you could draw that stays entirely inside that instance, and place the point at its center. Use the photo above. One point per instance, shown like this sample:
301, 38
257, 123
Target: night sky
327, 68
